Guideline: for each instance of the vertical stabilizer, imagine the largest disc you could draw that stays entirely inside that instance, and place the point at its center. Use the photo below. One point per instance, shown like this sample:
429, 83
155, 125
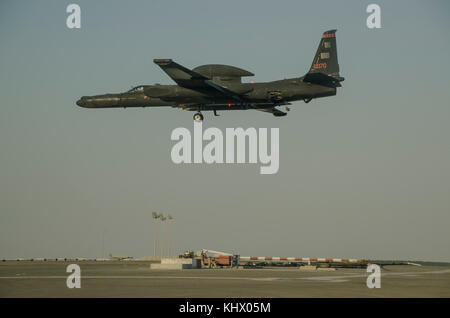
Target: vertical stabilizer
326, 61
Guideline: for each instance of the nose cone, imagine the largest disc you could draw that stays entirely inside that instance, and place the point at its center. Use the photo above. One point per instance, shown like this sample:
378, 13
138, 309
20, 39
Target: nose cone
99, 101
82, 102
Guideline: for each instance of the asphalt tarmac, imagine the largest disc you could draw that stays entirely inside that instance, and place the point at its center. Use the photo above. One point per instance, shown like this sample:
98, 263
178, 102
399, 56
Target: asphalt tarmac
135, 279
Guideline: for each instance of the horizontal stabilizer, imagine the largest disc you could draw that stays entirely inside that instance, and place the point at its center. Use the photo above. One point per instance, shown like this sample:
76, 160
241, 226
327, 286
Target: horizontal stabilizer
323, 79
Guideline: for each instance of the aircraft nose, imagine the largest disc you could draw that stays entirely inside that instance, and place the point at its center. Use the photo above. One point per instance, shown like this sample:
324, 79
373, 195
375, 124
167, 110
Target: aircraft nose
99, 101
81, 102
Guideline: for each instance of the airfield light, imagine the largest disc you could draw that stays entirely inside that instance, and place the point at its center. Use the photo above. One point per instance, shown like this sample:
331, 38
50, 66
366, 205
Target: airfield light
155, 218
103, 243
163, 218
170, 234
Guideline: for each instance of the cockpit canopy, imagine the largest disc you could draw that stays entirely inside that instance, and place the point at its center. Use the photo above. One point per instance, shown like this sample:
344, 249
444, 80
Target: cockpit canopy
137, 89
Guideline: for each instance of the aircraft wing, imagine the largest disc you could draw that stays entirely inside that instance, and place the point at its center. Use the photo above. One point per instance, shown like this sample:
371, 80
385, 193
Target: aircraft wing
187, 78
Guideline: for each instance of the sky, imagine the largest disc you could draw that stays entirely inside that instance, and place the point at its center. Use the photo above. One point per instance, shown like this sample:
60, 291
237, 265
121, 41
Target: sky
363, 174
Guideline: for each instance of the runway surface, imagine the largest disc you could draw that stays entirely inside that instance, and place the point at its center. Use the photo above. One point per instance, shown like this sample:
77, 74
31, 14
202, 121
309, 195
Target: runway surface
135, 279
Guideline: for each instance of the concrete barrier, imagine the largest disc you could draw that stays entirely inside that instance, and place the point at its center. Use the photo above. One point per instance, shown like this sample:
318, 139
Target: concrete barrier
196, 263
173, 263
167, 260
153, 258
170, 266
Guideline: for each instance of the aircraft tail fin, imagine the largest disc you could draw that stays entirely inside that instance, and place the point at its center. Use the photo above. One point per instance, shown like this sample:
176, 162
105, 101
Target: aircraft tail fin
325, 61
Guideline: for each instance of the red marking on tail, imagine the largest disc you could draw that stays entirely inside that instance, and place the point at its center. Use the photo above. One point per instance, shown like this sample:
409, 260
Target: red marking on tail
319, 66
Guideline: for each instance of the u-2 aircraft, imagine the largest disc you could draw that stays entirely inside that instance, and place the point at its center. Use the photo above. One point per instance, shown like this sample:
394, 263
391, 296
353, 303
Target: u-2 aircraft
216, 87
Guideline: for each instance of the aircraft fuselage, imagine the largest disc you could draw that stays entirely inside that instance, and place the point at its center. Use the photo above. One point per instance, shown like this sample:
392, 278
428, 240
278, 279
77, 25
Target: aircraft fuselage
219, 87
270, 93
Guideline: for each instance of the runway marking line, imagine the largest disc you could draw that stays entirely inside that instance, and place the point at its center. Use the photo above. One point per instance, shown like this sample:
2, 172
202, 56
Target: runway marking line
338, 278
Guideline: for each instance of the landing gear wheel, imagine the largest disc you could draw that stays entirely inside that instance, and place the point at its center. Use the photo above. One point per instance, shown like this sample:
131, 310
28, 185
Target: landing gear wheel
198, 117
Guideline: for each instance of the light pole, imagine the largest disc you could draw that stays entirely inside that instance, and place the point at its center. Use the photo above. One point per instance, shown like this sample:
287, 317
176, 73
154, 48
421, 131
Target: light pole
103, 243
162, 217
170, 234
155, 218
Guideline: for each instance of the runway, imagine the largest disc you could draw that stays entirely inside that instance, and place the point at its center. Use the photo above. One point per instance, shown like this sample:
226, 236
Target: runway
135, 279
